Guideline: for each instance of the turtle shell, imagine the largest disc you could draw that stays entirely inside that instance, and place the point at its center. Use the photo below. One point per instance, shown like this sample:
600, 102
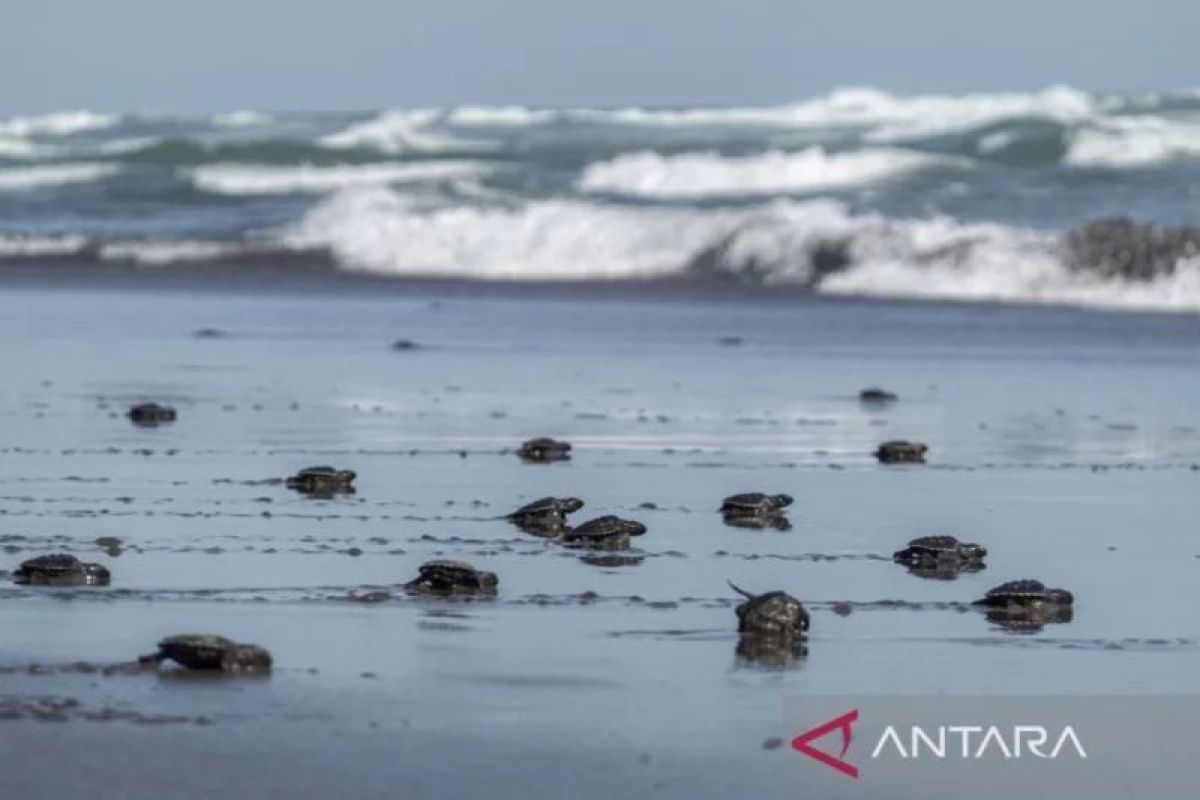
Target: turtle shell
549, 505
1017, 590
55, 564
755, 502
900, 451
151, 413
606, 526
446, 576
772, 614
876, 395
544, 449
63, 570
196, 651
935, 544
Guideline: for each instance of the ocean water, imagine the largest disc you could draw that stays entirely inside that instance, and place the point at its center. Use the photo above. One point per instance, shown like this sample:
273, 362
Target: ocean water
857, 192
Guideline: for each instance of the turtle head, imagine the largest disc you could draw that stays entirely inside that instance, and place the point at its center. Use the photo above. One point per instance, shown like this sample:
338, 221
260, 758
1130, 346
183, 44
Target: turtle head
973, 551
783, 500
96, 574
570, 504
1060, 597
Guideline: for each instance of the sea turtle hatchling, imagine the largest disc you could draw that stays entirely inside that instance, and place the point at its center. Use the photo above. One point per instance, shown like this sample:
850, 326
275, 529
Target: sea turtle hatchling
1026, 606
876, 396
753, 504
1025, 594
323, 481
603, 533
899, 451
544, 450
774, 614
151, 414
210, 653
445, 577
941, 553
61, 569
546, 516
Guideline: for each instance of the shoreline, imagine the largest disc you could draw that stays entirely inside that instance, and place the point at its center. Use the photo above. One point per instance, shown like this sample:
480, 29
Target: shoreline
304, 278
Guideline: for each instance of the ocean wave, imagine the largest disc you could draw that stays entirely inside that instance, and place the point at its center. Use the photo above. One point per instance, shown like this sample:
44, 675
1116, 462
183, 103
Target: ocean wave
775, 172
815, 244
41, 246
15, 147
242, 119
1133, 141
887, 117
151, 253
500, 116
248, 179
23, 178
63, 123
401, 132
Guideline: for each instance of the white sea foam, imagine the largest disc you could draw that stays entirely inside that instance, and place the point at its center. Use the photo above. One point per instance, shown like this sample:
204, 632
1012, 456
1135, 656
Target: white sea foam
1133, 141
886, 117
54, 175
17, 147
381, 231
245, 179
63, 123
134, 144
162, 253
20, 245
774, 172
400, 132
499, 115
242, 119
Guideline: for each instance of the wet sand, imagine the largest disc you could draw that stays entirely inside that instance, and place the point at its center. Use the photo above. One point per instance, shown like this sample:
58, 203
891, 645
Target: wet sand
1067, 442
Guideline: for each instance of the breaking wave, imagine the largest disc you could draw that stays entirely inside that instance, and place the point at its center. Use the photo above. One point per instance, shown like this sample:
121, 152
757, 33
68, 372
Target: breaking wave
54, 175
709, 174
249, 179
817, 244
1133, 141
62, 123
401, 132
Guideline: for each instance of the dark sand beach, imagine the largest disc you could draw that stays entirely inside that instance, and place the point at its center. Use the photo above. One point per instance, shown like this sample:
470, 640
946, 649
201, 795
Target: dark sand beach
1066, 441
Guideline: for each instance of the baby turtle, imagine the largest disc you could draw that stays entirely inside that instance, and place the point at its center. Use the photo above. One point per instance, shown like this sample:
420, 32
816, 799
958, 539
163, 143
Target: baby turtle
151, 414
756, 510
323, 481
211, 653
754, 504
1025, 594
545, 517
901, 452
877, 396
1027, 606
445, 577
61, 569
604, 533
941, 556
774, 614
544, 450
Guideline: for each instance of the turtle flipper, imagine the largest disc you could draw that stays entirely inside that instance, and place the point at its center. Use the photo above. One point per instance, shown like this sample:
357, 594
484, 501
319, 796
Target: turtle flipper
739, 590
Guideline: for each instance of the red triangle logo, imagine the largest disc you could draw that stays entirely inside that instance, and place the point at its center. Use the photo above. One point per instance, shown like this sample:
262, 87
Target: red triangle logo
803, 743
